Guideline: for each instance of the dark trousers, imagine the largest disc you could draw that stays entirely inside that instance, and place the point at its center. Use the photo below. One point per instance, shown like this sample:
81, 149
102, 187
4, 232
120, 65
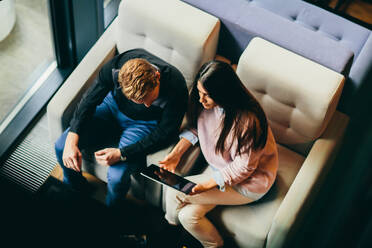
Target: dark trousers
107, 124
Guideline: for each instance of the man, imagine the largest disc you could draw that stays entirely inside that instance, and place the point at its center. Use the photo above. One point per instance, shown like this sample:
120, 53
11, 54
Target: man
137, 98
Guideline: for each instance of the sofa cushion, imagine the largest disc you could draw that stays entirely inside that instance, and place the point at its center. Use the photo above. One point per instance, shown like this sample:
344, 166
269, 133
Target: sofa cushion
319, 20
8, 18
243, 20
298, 95
250, 224
174, 31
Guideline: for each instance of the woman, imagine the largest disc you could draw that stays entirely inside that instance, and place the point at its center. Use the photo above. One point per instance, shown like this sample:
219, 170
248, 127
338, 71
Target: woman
237, 143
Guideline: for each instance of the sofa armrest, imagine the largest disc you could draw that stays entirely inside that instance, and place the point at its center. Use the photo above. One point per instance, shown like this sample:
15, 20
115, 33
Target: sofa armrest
308, 180
63, 103
362, 64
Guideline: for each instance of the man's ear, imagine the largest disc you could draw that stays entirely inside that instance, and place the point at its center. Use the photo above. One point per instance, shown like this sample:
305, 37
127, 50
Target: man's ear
157, 73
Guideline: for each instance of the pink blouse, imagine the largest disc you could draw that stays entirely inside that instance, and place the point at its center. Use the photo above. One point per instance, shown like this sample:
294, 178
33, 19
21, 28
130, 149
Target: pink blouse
252, 172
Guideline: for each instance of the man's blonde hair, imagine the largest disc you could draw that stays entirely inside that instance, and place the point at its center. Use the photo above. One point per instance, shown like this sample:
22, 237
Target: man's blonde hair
137, 77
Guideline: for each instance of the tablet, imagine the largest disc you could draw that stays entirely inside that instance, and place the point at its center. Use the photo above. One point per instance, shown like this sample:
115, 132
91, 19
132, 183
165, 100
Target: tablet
168, 178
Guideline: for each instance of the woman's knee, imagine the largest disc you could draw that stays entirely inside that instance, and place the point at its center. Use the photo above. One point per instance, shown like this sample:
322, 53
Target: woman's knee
170, 195
172, 206
190, 215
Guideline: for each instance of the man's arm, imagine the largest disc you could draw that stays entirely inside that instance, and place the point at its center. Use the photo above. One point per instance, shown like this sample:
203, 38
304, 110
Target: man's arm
92, 98
72, 157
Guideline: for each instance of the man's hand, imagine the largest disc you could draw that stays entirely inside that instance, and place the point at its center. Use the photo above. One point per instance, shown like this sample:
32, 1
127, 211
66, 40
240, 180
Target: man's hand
202, 187
170, 162
108, 156
71, 154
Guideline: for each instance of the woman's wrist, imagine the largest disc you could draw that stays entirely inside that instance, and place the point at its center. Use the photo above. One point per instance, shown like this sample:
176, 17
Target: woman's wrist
181, 147
177, 152
211, 183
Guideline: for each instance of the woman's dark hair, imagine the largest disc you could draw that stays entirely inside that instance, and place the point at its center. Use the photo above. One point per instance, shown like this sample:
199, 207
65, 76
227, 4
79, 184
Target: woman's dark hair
243, 114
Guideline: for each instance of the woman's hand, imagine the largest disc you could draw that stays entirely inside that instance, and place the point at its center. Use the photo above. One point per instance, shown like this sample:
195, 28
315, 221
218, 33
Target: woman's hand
202, 187
170, 162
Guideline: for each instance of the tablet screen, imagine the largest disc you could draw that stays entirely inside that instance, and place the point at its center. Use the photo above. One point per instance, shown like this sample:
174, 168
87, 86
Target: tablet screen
168, 178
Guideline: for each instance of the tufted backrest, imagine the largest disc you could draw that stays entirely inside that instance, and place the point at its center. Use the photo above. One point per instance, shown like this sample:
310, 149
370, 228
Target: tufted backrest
298, 95
321, 21
178, 33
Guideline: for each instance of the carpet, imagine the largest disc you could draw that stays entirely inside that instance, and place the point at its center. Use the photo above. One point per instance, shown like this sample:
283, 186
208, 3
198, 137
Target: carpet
135, 225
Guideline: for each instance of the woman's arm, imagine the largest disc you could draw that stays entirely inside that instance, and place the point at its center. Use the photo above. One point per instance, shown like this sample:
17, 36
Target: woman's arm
240, 168
201, 187
235, 172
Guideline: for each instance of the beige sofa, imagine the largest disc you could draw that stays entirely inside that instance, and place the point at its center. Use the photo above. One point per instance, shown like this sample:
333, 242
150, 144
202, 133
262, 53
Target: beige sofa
298, 95
167, 34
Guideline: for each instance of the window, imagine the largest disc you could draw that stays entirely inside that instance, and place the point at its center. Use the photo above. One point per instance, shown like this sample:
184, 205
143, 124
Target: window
26, 52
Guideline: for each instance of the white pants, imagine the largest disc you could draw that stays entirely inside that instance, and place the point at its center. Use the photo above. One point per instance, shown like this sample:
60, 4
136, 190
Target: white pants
190, 211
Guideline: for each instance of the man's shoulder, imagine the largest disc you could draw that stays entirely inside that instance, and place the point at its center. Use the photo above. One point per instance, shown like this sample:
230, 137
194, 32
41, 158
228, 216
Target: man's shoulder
119, 60
144, 54
139, 53
136, 53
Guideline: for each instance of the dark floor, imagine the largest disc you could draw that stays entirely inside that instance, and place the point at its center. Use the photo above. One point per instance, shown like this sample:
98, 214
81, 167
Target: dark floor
358, 11
58, 215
